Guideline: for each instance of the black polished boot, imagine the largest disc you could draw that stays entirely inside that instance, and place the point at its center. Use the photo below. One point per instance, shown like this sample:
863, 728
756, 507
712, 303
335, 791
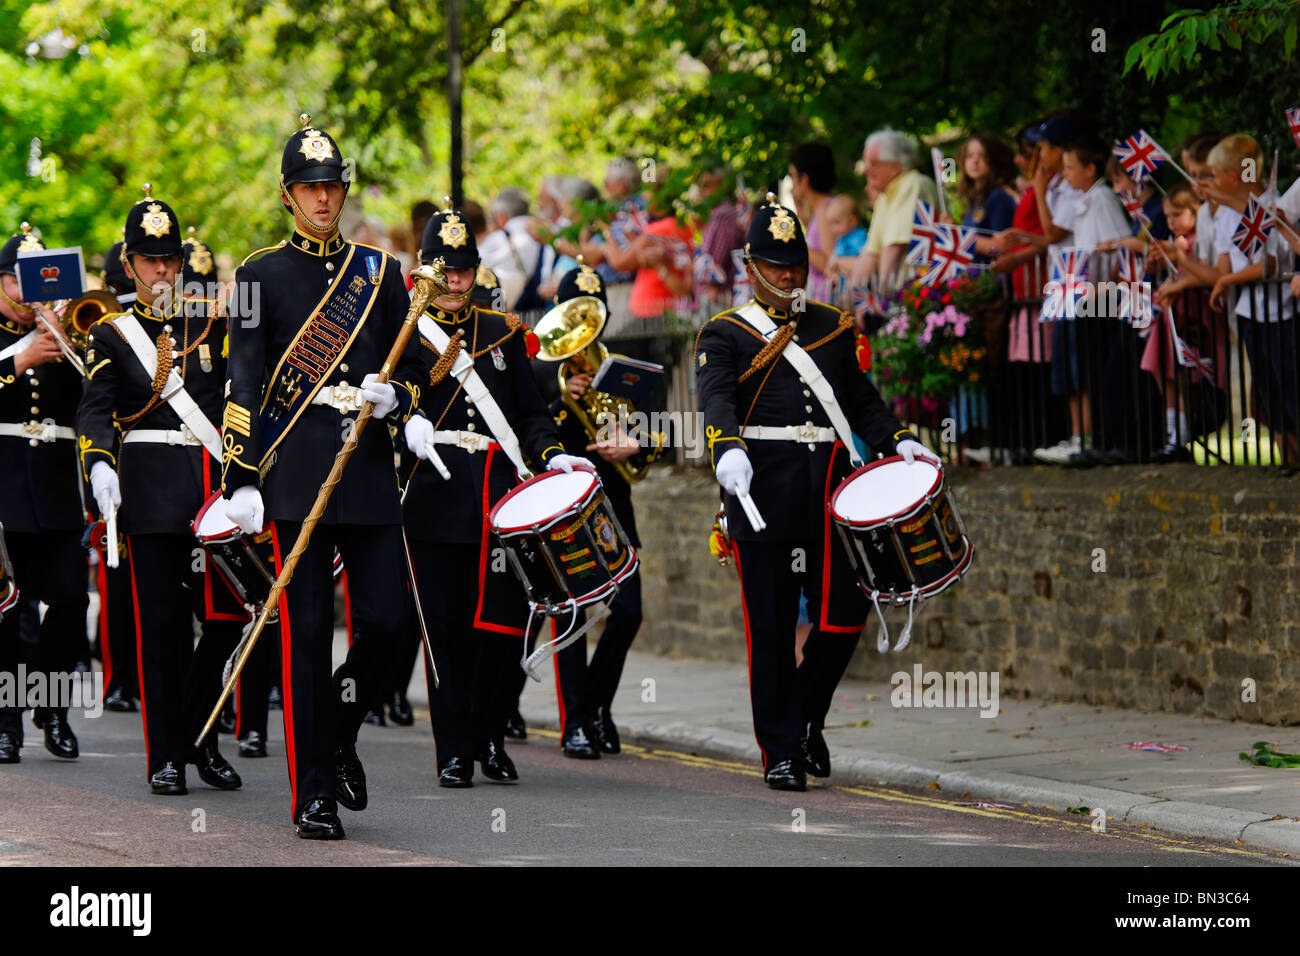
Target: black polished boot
59, 738
349, 778
120, 702
606, 733
786, 775
252, 744
497, 766
168, 780
214, 769
516, 729
578, 744
319, 821
457, 773
399, 710
9, 749
813, 752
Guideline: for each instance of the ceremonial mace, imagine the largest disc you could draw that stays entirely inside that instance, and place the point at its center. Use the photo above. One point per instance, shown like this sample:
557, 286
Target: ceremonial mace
429, 281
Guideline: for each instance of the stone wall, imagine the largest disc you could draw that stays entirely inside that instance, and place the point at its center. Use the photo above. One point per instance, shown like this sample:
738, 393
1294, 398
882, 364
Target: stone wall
1197, 594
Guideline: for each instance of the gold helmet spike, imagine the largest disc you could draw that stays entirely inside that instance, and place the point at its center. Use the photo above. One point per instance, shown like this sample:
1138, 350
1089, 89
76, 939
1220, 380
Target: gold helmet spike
26, 228
304, 119
190, 232
148, 190
446, 204
771, 197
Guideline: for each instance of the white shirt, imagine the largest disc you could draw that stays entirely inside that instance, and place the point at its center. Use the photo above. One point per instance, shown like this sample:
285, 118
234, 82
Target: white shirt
1206, 248
1226, 221
512, 254
1093, 216
1059, 195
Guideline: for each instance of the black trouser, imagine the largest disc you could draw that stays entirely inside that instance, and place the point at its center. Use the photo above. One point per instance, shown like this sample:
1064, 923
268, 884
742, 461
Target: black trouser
476, 668
179, 681
583, 687
49, 567
255, 684
117, 636
323, 713
784, 698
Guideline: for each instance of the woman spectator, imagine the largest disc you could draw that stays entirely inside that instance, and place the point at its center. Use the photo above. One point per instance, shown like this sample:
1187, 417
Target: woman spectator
661, 255
812, 173
985, 189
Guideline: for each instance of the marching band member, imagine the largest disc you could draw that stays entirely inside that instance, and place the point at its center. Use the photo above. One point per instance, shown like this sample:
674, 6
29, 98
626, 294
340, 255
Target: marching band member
586, 691
155, 375
474, 608
775, 420
116, 613
40, 503
316, 317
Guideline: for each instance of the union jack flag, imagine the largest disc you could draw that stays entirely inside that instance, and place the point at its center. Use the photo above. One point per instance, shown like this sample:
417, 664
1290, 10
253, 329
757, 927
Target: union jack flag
866, 302
1140, 155
1134, 290
1254, 228
1188, 357
951, 253
1067, 286
1293, 121
1133, 206
706, 270
923, 230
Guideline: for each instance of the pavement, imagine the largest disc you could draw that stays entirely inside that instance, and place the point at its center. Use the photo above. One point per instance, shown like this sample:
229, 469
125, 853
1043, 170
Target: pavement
1061, 756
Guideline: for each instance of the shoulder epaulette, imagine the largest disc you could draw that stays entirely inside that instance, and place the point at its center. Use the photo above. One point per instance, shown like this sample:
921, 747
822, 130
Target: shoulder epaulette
253, 255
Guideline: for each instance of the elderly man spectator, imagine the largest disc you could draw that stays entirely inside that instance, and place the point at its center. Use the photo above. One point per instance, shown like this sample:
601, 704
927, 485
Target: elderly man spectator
889, 158
518, 260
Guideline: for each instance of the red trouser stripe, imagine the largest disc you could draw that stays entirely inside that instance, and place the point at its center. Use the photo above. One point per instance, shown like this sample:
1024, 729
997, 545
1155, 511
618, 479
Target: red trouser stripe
749, 645
286, 682
139, 655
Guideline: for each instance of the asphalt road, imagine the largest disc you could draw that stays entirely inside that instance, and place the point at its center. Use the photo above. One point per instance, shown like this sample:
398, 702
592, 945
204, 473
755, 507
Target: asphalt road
644, 807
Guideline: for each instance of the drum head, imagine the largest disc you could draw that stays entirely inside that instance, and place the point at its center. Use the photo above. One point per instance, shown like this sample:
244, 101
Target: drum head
212, 523
538, 500
884, 489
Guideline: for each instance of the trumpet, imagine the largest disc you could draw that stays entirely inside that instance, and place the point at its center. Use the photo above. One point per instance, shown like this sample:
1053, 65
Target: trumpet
569, 334
70, 323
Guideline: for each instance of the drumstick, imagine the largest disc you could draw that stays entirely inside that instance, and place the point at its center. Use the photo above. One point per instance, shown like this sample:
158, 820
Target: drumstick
431, 453
751, 512
110, 534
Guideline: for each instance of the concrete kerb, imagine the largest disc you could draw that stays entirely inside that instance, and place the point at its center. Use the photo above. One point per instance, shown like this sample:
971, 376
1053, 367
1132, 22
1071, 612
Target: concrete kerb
886, 769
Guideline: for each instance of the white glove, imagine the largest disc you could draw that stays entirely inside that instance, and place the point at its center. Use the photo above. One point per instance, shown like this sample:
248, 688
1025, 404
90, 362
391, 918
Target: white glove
567, 463
912, 450
419, 436
734, 471
379, 394
245, 508
104, 486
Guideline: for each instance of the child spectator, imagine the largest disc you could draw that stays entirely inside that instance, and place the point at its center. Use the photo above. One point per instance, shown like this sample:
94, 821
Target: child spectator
1185, 309
1091, 215
1152, 205
1269, 330
984, 188
844, 228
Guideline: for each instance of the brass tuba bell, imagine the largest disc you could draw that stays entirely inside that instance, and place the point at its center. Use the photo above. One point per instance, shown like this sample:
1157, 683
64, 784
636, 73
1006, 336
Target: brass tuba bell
569, 334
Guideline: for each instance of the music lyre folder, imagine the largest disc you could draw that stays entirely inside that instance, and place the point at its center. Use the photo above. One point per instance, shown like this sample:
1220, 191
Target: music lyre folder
628, 378
48, 275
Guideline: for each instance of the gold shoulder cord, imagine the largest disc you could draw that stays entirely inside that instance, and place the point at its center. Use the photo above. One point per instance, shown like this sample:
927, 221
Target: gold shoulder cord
165, 364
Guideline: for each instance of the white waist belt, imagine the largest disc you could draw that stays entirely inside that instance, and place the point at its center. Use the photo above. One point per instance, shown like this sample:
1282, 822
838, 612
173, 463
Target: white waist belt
470, 441
161, 436
799, 433
346, 398
41, 431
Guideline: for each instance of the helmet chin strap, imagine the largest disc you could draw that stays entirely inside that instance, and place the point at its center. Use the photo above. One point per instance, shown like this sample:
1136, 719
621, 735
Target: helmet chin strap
325, 231
18, 307
142, 286
764, 284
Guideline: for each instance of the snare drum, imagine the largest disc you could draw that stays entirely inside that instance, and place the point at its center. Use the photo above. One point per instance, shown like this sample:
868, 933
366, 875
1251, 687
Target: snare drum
563, 540
902, 530
8, 586
244, 561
